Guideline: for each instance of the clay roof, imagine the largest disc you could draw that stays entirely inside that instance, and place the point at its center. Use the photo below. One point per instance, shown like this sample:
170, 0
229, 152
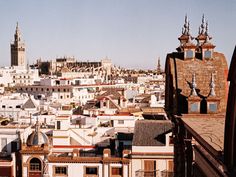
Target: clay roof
29, 104
151, 132
113, 93
179, 77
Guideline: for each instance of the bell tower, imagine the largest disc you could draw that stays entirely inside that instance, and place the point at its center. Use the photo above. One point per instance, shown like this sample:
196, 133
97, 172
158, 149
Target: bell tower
18, 49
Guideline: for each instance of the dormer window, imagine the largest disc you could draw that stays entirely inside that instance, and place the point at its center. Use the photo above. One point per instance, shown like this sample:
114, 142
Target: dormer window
207, 54
189, 54
212, 107
194, 107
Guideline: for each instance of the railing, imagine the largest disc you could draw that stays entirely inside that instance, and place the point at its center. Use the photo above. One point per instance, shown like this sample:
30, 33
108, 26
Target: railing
155, 173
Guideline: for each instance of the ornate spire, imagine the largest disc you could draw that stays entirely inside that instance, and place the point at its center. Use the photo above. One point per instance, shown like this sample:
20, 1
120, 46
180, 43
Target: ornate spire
206, 33
185, 28
185, 38
202, 25
212, 86
194, 85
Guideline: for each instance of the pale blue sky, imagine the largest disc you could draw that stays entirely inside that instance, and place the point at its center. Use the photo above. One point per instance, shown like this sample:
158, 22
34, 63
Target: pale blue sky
132, 33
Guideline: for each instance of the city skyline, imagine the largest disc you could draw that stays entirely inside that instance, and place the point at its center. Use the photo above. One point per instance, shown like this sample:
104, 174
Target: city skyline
133, 34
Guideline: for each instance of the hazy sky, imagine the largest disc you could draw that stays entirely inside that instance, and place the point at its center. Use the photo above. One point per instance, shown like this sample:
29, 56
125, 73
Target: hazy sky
132, 33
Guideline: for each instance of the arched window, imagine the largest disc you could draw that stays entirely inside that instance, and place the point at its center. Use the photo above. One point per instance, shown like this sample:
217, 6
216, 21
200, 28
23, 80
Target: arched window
35, 164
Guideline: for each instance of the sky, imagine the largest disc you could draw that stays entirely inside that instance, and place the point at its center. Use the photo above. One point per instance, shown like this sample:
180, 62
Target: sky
132, 33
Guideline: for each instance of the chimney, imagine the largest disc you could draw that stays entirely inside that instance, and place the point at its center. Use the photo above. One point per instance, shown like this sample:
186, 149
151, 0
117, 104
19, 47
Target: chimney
75, 153
106, 153
125, 153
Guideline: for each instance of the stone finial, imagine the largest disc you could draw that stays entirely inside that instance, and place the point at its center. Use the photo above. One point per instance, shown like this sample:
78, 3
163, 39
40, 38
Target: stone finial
194, 85
186, 24
206, 33
203, 24
212, 86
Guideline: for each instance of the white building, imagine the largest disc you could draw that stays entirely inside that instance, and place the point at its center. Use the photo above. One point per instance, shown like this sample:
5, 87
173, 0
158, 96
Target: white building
17, 75
17, 106
152, 148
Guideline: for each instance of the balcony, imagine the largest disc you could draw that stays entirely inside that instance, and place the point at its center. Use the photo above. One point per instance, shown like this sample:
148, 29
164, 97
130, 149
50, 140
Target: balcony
155, 173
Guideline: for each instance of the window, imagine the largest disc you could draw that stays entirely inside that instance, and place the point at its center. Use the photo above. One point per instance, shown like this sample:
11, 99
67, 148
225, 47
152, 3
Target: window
149, 168
18, 106
3, 144
207, 54
120, 121
91, 170
13, 146
58, 125
213, 107
3, 106
35, 164
60, 170
194, 107
116, 171
189, 54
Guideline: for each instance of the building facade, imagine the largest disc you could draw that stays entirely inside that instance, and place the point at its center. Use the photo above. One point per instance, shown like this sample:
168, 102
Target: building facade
195, 101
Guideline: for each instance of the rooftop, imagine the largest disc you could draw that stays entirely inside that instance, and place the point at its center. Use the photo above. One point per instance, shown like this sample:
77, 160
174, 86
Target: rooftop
208, 131
151, 132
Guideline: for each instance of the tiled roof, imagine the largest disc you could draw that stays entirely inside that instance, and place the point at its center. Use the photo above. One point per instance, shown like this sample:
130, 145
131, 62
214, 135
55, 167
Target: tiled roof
29, 104
151, 132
